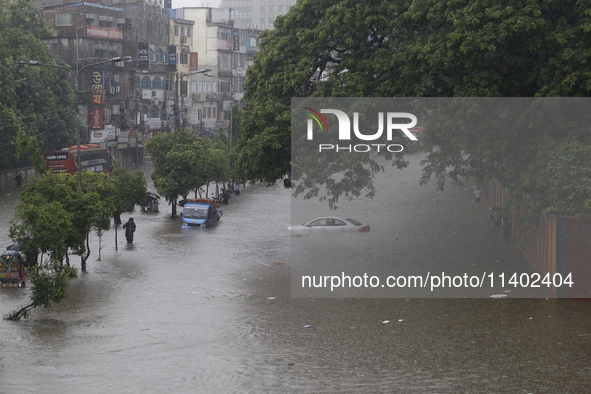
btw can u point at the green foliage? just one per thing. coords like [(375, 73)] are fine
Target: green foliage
[(34, 101), (56, 216), (185, 162), (567, 180), (129, 189), (468, 48), (49, 285)]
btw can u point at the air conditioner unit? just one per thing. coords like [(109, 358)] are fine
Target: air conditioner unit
[(112, 90), (120, 21), (90, 16), (117, 89), (184, 38), (102, 17), (106, 112), (110, 19), (112, 48), (196, 96), (116, 78), (119, 64)]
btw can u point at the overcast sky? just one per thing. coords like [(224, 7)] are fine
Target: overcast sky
[(195, 3)]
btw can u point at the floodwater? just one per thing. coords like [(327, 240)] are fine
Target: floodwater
[(211, 311)]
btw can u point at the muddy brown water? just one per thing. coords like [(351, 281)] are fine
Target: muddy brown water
[(185, 311)]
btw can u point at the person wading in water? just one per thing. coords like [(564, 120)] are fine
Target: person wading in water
[(129, 230)]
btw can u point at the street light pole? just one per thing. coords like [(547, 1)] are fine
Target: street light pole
[(76, 76), (180, 76)]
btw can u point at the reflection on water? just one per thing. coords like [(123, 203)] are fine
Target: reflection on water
[(209, 311)]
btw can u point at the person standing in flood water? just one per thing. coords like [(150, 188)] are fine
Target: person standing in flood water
[(129, 227)]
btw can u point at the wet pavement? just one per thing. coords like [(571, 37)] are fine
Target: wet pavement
[(210, 311)]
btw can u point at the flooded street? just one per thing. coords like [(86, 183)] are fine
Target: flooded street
[(211, 311)]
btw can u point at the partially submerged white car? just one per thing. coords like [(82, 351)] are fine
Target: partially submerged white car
[(332, 224)]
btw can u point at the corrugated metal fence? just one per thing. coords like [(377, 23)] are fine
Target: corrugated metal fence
[(557, 245)]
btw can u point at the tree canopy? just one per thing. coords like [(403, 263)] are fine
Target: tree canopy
[(184, 162), (34, 101), (55, 218), (467, 48)]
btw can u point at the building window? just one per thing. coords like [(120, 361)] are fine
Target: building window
[(62, 19), (176, 30), (208, 112), (157, 83), (189, 31), (57, 49), (154, 112), (184, 58), (146, 83), (160, 57)]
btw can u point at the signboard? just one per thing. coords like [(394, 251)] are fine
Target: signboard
[(143, 58), (172, 57), (97, 118), (153, 123), (193, 61), (103, 32), (224, 44), (97, 137), (97, 93), (123, 137), (236, 40)]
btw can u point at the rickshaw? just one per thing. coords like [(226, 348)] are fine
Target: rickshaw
[(152, 202), (12, 267)]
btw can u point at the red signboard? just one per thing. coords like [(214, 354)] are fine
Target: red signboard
[(97, 118), (193, 61), (97, 92), (103, 32)]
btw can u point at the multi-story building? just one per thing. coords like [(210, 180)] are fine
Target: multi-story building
[(87, 36), (133, 102), (164, 86), (258, 14), (227, 52)]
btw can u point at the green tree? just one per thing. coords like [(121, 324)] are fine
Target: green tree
[(176, 158), (34, 101), (467, 48), (54, 218), (129, 190)]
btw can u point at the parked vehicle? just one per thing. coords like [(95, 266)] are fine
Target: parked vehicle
[(13, 263), (200, 212), (152, 202), (93, 158), (332, 224)]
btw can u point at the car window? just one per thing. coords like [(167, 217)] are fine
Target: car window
[(319, 222), (338, 222), (353, 221)]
